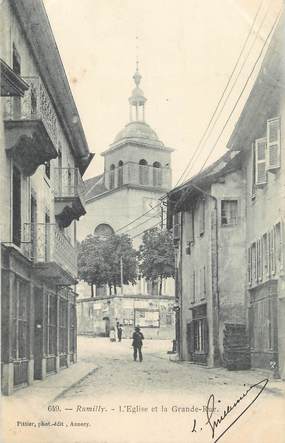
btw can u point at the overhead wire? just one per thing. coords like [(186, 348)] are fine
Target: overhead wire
[(242, 91), (240, 95), (213, 116), (211, 119), (201, 140)]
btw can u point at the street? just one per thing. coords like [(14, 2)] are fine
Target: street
[(119, 400)]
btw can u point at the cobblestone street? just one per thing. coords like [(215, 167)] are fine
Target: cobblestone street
[(158, 400)]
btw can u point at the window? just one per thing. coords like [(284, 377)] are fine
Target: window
[(112, 177), (265, 254), (202, 208), (278, 246), (253, 263), (63, 305), (157, 176), (103, 230), (17, 70), (143, 172), (51, 323), (259, 257), (260, 162), (121, 173), (249, 273), (199, 335), (16, 228), (20, 320), (273, 144), (272, 252), (229, 212)]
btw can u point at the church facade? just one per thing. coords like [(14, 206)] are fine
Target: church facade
[(137, 173)]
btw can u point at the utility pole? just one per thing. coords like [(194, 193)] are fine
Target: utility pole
[(122, 274)]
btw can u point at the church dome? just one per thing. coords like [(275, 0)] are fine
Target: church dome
[(139, 131)]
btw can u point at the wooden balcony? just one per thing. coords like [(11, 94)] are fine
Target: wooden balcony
[(30, 127), (69, 194), (51, 252)]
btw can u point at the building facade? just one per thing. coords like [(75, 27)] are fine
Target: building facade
[(155, 315), (137, 173), (259, 135), (208, 225), (234, 315), (43, 156)]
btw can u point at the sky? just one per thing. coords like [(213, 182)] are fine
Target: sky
[(187, 50)]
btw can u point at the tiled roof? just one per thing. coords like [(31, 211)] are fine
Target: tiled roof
[(94, 186)]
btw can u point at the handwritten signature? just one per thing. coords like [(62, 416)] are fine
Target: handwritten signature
[(211, 408)]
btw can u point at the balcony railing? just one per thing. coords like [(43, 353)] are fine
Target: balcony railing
[(136, 174), (35, 105), (46, 244), (68, 183)]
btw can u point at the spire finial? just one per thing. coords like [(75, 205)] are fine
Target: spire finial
[(137, 77)]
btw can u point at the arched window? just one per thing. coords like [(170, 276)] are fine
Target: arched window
[(103, 230), (143, 172), (120, 173), (112, 177), (157, 174)]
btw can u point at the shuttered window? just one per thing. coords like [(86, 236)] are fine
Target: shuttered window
[(249, 273), (265, 254), (202, 217), (273, 144), (253, 263), (260, 161)]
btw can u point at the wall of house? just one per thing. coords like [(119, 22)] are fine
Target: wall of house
[(199, 259), (198, 262), (265, 209), (39, 184), (231, 254), (92, 315)]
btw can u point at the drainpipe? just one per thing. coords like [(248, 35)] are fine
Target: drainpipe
[(215, 281)]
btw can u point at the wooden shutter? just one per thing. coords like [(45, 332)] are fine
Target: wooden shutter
[(273, 252), (273, 144), (260, 162), (202, 217), (249, 266)]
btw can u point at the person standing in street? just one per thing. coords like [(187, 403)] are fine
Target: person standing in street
[(137, 343), (120, 332)]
